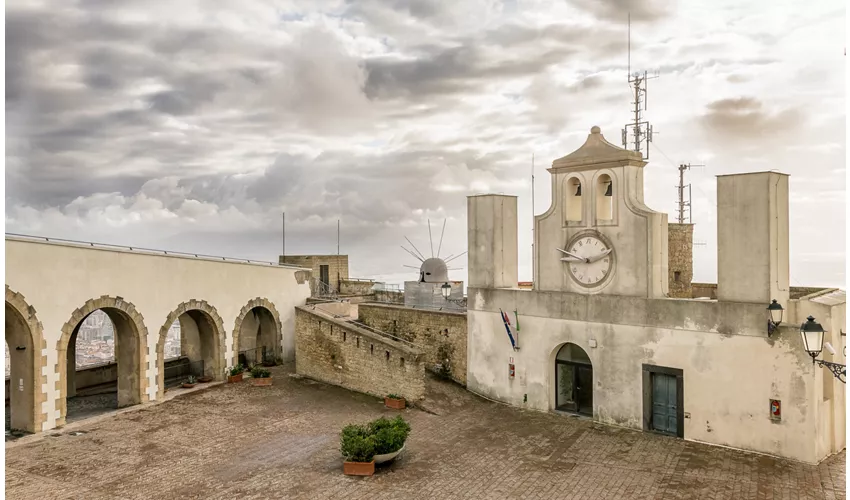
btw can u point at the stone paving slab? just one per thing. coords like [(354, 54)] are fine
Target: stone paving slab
[(239, 441)]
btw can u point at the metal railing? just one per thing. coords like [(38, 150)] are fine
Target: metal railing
[(385, 334), (322, 289), (389, 294), (257, 355), (175, 375), (149, 251)]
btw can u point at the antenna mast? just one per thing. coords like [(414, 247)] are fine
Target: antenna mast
[(684, 205), (638, 134), (532, 219)]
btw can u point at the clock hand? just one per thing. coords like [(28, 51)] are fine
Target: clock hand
[(571, 259), (573, 255), (597, 257)]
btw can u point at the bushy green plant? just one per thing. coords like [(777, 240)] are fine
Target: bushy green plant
[(357, 444), (191, 379), (258, 372), (394, 396), (390, 435), (235, 370)]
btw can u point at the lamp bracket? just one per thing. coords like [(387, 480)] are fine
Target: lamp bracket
[(837, 369)]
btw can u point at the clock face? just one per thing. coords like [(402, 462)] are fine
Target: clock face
[(589, 260)]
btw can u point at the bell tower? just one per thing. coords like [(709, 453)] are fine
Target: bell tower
[(598, 236)]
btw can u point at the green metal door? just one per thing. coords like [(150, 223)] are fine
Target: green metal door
[(664, 406)]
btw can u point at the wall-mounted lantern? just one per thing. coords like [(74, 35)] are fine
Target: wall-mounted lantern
[(774, 316), (446, 290), (812, 334), (578, 190), (610, 190)]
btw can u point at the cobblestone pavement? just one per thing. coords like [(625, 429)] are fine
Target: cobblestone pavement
[(239, 441)]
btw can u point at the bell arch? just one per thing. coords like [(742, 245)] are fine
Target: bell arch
[(131, 347), (573, 196), (24, 330), (201, 323), (257, 325)]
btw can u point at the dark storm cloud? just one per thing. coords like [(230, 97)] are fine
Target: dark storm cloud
[(618, 10), (745, 119), (511, 51)]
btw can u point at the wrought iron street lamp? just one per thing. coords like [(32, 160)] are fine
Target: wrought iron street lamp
[(774, 316), (446, 289), (812, 333)]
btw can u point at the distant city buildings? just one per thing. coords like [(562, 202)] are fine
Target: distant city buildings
[(96, 342)]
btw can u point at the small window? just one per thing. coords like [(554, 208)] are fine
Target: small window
[(677, 276), (402, 362), (388, 355), (358, 341), (343, 336), (371, 348), (573, 200)]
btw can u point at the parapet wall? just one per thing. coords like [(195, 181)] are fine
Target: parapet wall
[(341, 353), (440, 335), (355, 287)]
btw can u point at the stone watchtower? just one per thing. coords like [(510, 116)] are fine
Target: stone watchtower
[(680, 254)]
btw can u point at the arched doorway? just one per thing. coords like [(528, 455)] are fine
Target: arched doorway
[(21, 387), (257, 334), (24, 341), (129, 344), (573, 380), (191, 342)]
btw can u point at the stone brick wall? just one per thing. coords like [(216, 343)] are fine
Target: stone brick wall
[(439, 334), (337, 265), (704, 290), (356, 287), (340, 353), (680, 259)]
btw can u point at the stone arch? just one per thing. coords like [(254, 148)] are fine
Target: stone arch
[(30, 415), (266, 304), (131, 351), (204, 311)]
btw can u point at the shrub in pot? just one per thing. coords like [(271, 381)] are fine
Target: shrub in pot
[(390, 436), (234, 374), (358, 447), (260, 377), (379, 441), (394, 401)]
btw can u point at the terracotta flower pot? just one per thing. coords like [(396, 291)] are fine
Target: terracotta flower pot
[(188, 385), (358, 468), (396, 404), (261, 381), (231, 379), (205, 379)]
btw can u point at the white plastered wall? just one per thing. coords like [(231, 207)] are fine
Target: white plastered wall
[(56, 279)]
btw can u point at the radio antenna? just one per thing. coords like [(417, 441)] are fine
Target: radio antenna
[(638, 134)]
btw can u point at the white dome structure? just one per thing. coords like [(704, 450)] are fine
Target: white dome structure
[(433, 270)]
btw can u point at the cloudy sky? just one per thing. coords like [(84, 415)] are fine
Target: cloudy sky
[(192, 125)]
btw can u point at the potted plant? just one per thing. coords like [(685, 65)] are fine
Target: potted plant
[(234, 374), (205, 379), (394, 401), (390, 436), (190, 382), (358, 447), (260, 377)]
